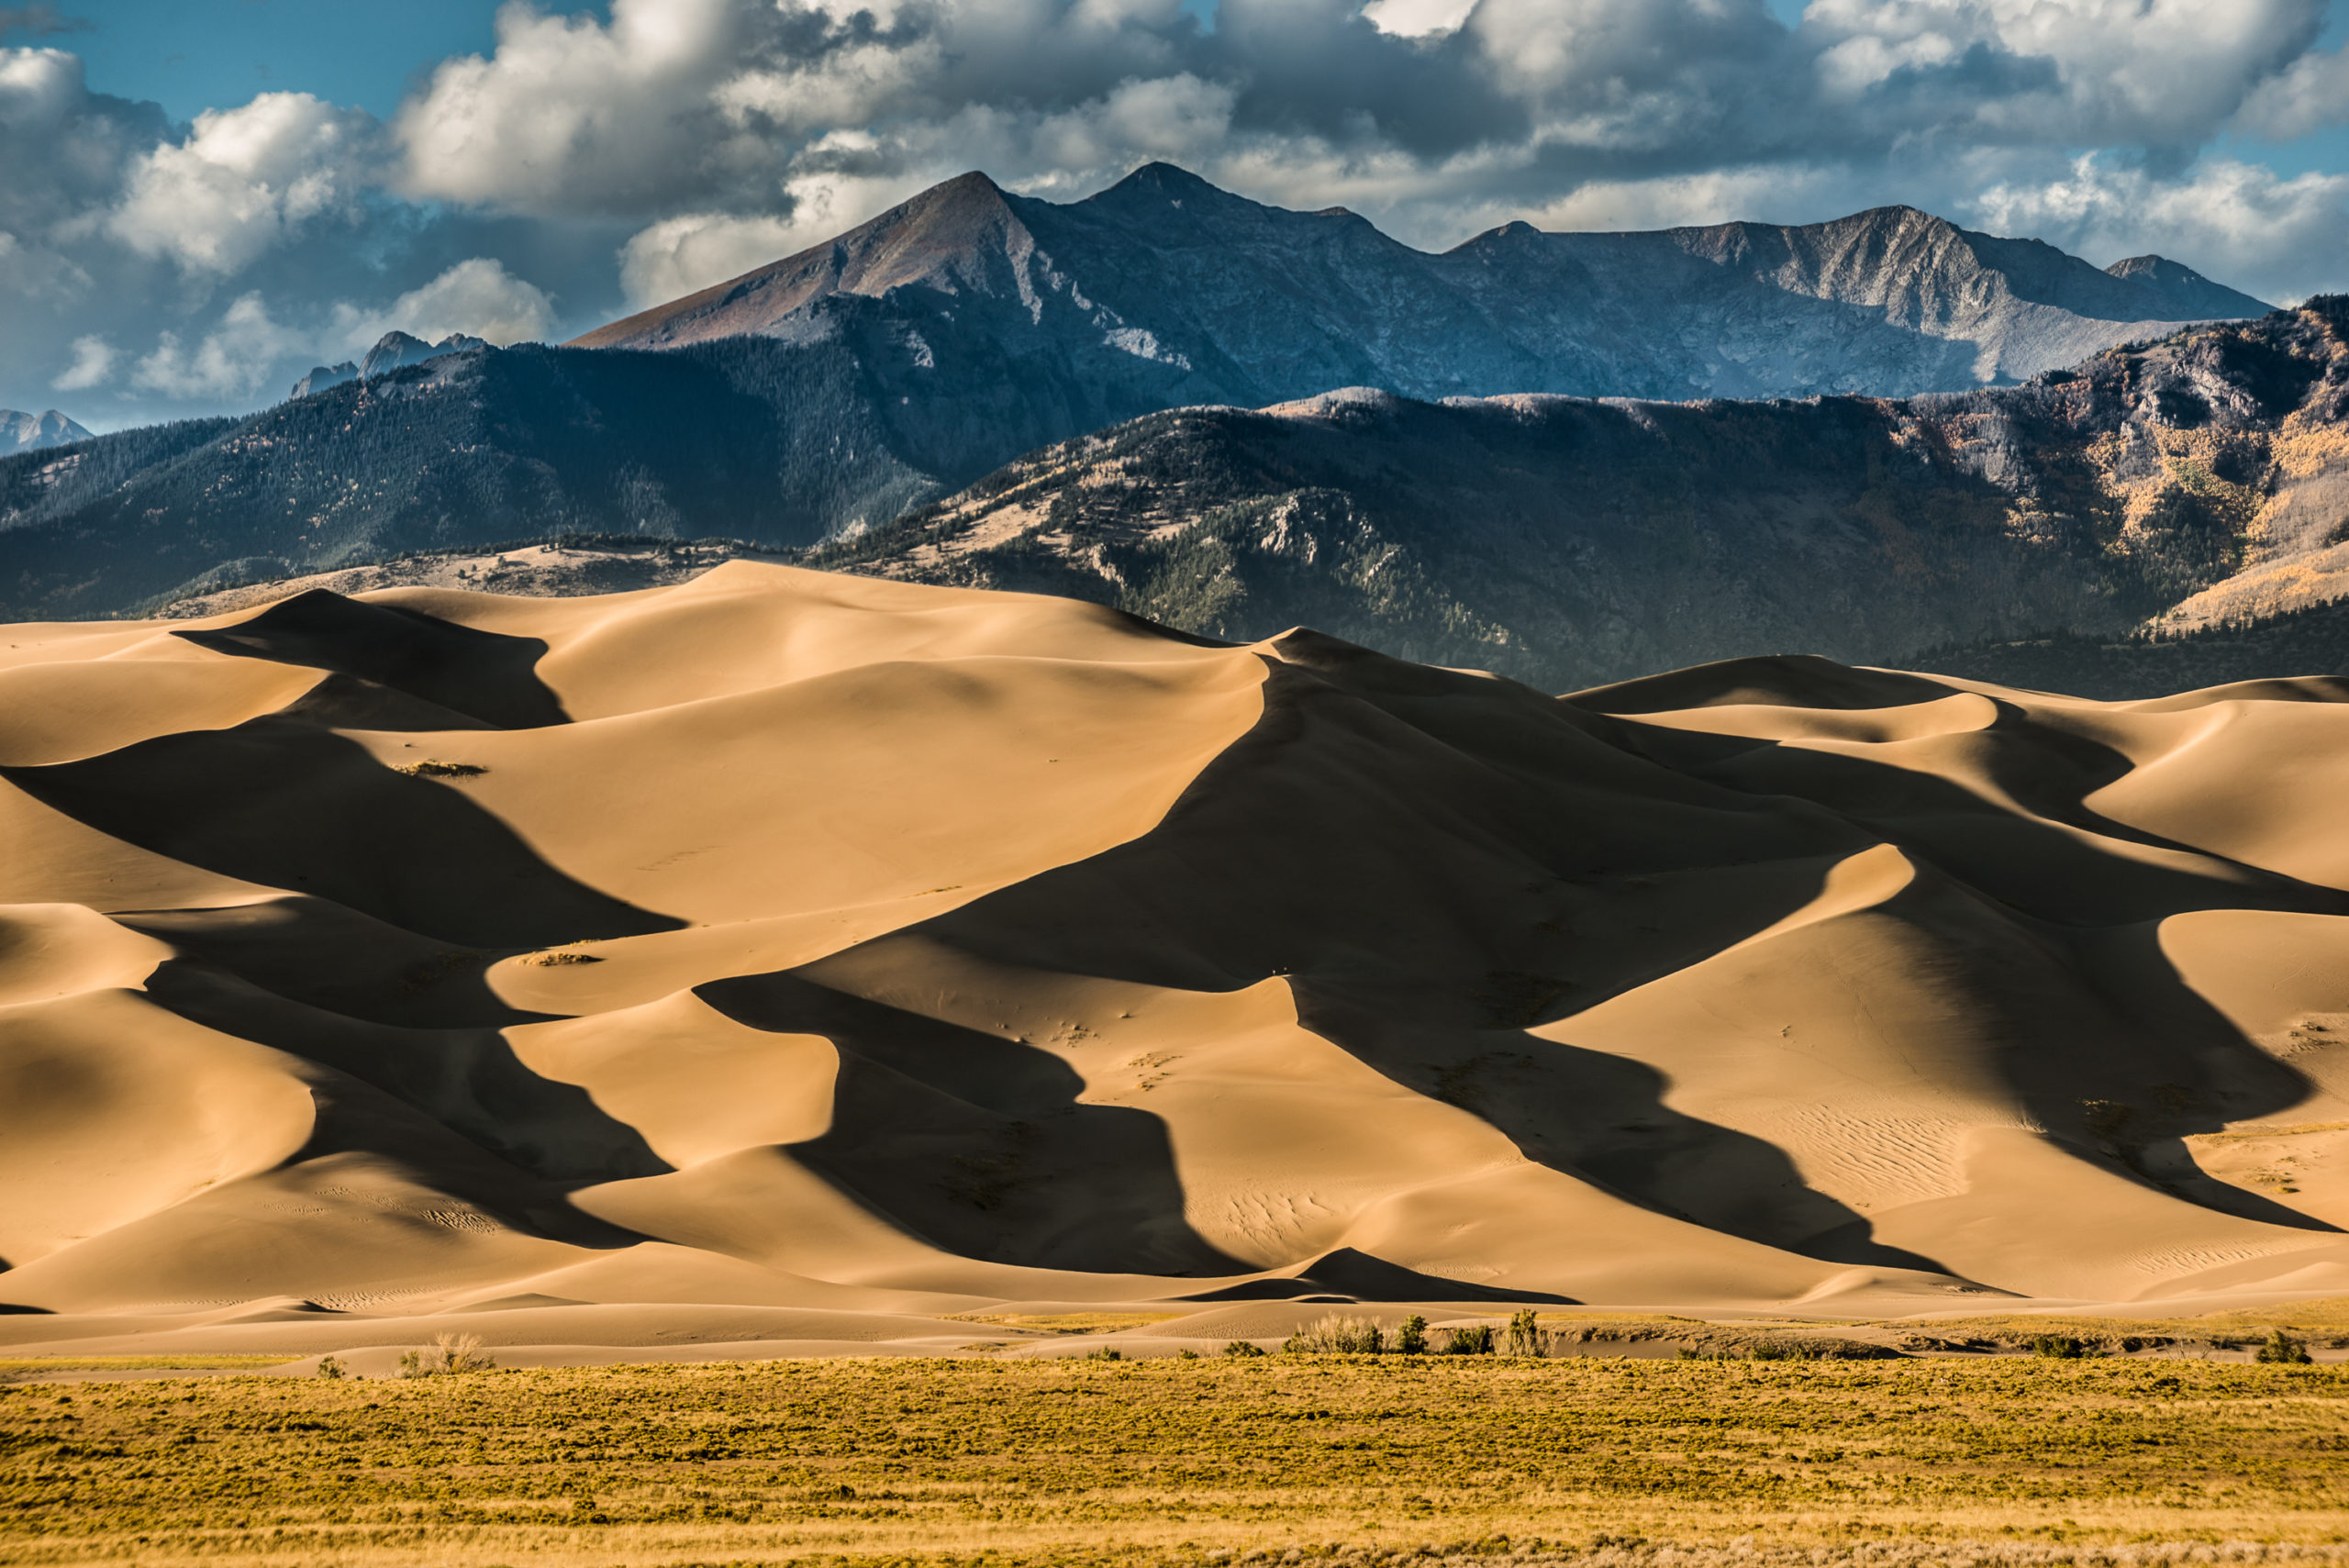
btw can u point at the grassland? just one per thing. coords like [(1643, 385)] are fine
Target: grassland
[(1070, 1462)]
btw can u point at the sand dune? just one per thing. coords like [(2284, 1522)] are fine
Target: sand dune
[(815, 961)]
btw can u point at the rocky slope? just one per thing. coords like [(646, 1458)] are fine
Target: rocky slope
[(1165, 287), (1568, 541)]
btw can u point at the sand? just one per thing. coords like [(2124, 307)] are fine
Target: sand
[(778, 961)]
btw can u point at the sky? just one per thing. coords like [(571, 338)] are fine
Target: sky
[(204, 198)]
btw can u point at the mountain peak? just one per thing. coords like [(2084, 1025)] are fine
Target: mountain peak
[(2190, 295), (937, 235), (1160, 175), (23, 432)]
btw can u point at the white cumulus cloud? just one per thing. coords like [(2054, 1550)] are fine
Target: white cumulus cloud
[(242, 180), (235, 360), (571, 114), (94, 360), (478, 297), (2229, 219)]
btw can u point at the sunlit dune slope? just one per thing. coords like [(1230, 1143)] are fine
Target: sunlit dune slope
[(811, 942)]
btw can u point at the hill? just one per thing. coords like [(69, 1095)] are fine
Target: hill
[(1188, 293), (787, 942), (1569, 541), (484, 445)]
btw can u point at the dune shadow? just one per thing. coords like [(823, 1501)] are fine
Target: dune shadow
[(335, 959), (2149, 1062), (486, 678), (2031, 866), (981, 1144), (1392, 915), (1348, 1274), (298, 807), (467, 1080), (1603, 1119)]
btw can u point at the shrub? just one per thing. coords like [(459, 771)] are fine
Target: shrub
[(1334, 1335), (1412, 1335), (1186, 1354), (2284, 1349), (449, 1354), (1787, 1351), (1526, 1337), (1475, 1339), (329, 1367), (1106, 1353), (1243, 1348), (2059, 1347)]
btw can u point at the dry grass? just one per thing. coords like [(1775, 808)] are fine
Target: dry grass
[(1069, 1322), (1080, 1463)]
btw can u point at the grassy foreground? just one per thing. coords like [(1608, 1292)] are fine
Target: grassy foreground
[(1086, 1463)]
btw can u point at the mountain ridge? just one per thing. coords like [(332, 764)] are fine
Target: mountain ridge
[(1568, 541), (1250, 304)]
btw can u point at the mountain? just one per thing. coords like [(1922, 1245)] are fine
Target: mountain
[(391, 351), (1225, 300), (1562, 542), (31, 432), (1568, 542), (837, 390), (669, 963), (485, 446)]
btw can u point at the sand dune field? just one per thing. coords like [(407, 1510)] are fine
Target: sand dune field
[(808, 961)]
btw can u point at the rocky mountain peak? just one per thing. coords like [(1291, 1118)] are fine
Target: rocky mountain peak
[(392, 351), (2183, 289), (21, 432)]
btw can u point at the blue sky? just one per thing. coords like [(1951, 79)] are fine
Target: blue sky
[(206, 196), (190, 57)]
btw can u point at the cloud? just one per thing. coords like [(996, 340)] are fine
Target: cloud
[(2229, 219), (235, 361), (243, 181), (2312, 95), (602, 160), (478, 297), (1417, 19), (571, 114), (684, 254), (94, 360), (42, 20)]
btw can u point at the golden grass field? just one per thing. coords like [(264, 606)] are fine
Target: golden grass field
[(1173, 1460)]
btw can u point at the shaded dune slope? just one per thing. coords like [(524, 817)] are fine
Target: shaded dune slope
[(803, 941)]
